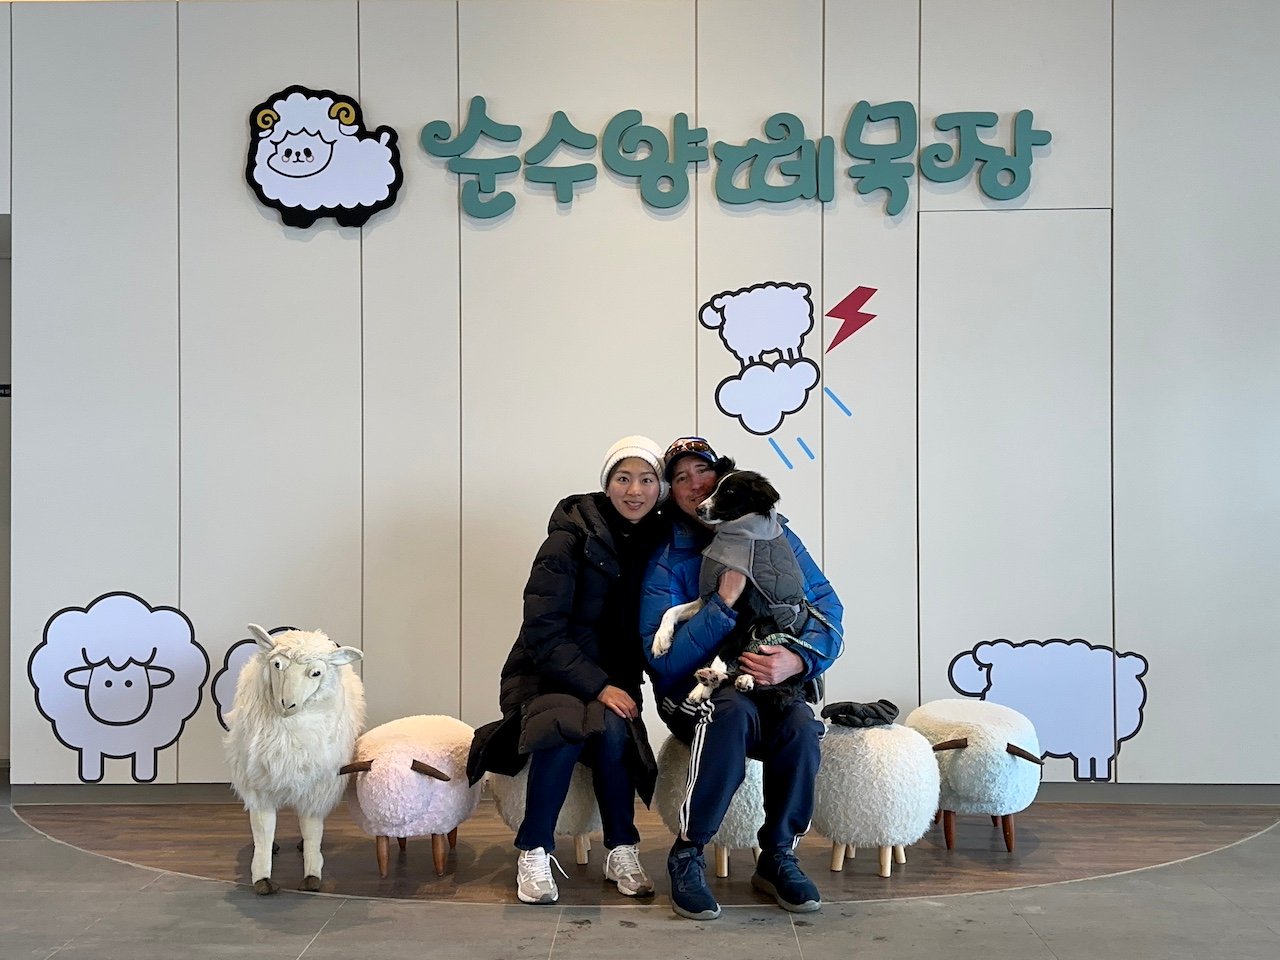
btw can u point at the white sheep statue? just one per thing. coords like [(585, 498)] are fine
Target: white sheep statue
[(298, 709), (877, 787), (411, 781), (742, 821), (579, 815), (988, 761)]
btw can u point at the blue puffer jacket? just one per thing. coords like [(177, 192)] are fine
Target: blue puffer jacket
[(672, 578)]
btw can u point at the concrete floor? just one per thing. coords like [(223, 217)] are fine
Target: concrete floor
[(57, 901)]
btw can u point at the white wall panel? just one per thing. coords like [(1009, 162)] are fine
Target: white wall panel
[(1015, 487), (95, 417), (412, 415), (1008, 55), (270, 352), (869, 456), (6, 437), (1197, 408), (6, 107), (577, 321), (744, 77)]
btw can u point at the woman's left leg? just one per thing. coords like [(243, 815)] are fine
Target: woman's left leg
[(615, 791)]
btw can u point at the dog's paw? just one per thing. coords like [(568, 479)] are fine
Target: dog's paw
[(662, 640), (745, 682)]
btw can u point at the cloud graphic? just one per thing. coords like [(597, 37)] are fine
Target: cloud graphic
[(763, 394)]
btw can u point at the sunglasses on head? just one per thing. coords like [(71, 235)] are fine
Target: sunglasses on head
[(687, 445)]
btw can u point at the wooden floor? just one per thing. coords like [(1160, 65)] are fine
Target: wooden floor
[(1055, 842)]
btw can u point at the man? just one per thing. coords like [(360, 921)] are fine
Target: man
[(731, 726)]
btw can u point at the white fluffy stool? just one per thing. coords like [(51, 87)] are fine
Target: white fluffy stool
[(579, 816), (877, 787), (988, 759), (411, 781), (742, 821)]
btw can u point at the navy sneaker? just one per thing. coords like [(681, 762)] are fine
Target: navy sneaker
[(690, 896), (779, 875)]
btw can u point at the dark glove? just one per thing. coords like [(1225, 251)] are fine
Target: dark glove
[(849, 714)]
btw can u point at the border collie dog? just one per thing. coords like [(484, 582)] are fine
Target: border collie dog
[(772, 610)]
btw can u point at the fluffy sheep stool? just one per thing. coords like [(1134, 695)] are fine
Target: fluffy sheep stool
[(579, 816), (742, 821), (988, 760), (412, 782), (877, 787)]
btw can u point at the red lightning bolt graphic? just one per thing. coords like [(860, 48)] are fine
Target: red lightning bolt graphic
[(850, 311)]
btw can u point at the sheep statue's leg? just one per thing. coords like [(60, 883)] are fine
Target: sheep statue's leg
[(453, 838), (582, 847), (995, 821), (837, 857), (899, 853), (852, 850), (263, 824), (382, 847), (403, 841), (949, 827), (886, 861), (1007, 821), (755, 854), (312, 860), (439, 852), (722, 860)]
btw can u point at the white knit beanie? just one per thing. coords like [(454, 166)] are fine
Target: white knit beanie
[(635, 446)]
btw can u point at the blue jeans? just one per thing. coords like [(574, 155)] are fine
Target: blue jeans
[(550, 772)]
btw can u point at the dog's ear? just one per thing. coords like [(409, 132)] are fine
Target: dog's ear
[(723, 465), (768, 490)]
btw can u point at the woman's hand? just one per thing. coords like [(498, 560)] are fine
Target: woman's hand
[(619, 701)]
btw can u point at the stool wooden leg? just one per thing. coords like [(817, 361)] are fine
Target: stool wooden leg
[(453, 838), (403, 841), (852, 850), (722, 861), (899, 853), (837, 857), (995, 821), (1008, 832), (949, 827), (886, 861), (581, 848), (439, 852), (937, 817), (383, 847), (755, 854)]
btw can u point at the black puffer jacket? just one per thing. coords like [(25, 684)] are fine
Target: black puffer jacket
[(580, 630), (581, 608)]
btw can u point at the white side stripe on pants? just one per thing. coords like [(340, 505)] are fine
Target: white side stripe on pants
[(695, 761)]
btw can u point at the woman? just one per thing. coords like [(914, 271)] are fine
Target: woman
[(570, 688)]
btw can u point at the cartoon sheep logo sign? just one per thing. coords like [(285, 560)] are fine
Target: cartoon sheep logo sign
[(311, 157), (1083, 700), (764, 327), (118, 678), (224, 681)]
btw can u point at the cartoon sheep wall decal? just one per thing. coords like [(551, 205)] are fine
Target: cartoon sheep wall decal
[(1084, 700), (118, 678), (310, 157)]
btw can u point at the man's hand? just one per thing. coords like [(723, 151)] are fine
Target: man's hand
[(732, 583), (619, 701), (771, 665)]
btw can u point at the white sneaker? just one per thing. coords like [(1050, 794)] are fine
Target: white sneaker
[(534, 880), (623, 866)]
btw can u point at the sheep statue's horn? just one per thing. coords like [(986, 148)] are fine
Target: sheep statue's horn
[(951, 744), (419, 767), (1024, 754), (356, 766)]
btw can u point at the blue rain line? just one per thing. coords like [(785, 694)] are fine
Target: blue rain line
[(827, 391), (805, 447), (778, 450)]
